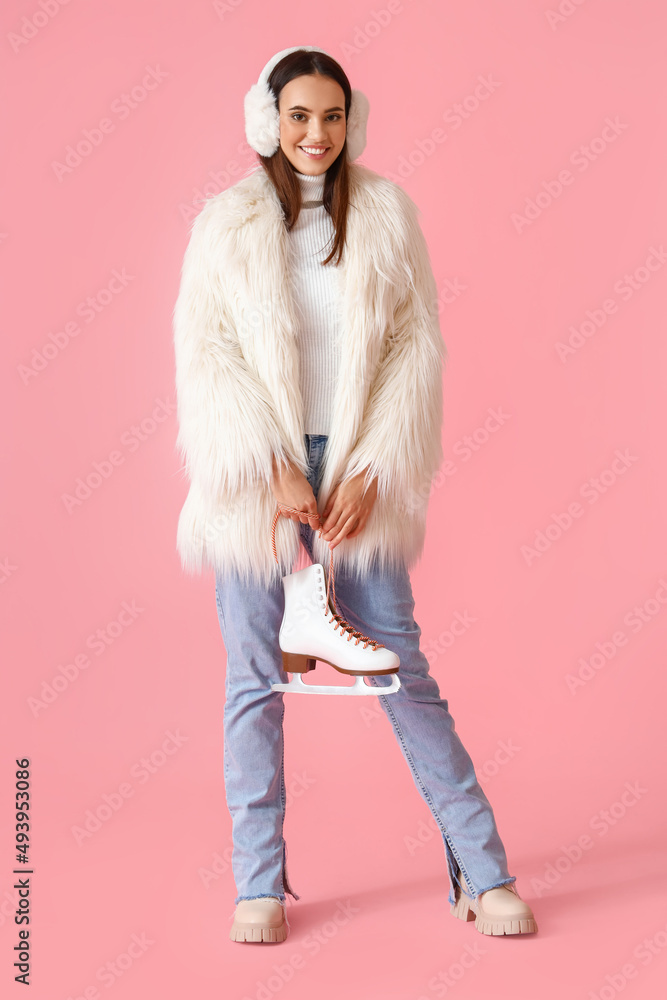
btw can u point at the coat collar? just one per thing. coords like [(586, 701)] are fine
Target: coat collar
[(254, 268), (254, 198)]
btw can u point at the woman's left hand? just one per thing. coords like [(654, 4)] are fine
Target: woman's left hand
[(348, 509)]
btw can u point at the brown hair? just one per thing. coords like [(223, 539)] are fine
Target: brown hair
[(335, 196)]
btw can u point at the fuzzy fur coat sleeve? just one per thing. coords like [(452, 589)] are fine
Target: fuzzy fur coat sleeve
[(228, 432), (399, 438)]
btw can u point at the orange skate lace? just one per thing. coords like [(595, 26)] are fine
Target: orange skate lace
[(345, 626)]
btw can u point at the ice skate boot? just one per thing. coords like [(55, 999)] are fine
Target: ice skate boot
[(312, 630)]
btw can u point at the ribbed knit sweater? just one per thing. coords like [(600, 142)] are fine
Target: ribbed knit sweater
[(317, 299)]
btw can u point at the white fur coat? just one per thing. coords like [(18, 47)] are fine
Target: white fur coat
[(237, 379)]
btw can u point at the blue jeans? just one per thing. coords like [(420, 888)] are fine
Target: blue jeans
[(381, 606)]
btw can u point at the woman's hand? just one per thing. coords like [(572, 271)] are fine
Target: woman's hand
[(290, 487), (348, 509)]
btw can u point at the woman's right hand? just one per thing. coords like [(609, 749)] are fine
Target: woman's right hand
[(290, 487)]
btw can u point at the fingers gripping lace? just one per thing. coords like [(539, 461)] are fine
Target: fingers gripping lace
[(344, 625)]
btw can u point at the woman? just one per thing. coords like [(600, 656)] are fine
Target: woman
[(309, 382)]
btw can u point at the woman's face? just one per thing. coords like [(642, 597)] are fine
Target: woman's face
[(312, 115)]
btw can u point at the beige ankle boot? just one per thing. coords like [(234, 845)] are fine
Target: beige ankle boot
[(259, 920), (496, 911)]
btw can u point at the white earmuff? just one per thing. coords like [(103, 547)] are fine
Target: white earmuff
[(262, 122)]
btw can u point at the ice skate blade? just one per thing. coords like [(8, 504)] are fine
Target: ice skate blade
[(358, 689)]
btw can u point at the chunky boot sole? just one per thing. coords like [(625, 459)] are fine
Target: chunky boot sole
[(250, 932), (463, 909)]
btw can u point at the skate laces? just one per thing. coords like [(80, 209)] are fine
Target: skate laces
[(341, 622)]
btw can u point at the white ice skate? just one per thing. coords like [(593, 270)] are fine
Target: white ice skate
[(312, 630)]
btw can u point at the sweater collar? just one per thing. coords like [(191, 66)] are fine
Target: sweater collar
[(312, 187)]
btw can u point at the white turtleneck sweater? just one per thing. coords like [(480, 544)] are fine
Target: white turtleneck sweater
[(317, 299)]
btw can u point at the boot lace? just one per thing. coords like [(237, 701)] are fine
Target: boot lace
[(332, 603)]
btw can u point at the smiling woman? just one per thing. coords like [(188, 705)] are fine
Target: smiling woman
[(315, 109), (309, 385), (309, 131)]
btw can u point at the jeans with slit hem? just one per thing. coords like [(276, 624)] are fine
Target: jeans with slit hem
[(381, 606)]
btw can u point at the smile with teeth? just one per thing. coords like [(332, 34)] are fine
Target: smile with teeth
[(314, 150)]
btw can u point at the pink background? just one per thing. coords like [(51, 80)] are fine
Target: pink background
[(358, 833)]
